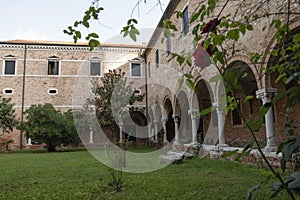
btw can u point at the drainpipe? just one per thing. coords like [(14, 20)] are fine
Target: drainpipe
[(23, 95), (146, 86)]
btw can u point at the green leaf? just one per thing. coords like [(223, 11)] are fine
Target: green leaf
[(249, 97), (233, 34), (249, 27), (216, 78), (287, 149), (195, 17), (94, 35), (207, 110), (189, 76), (243, 28), (180, 83), (190, 84), (264, 109), (257, 124)]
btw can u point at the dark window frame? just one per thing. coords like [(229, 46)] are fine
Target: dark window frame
[(132, 71), (236, 118), (53, 66), (185, 21), (156, 59), (93, 66), (10, 61)]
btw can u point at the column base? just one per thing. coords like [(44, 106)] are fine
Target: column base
[(270, 149), (194, 144), (223, 145)]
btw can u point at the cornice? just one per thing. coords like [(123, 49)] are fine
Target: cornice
[(67, 48)]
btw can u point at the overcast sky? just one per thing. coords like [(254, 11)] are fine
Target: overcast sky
[(46, 19)]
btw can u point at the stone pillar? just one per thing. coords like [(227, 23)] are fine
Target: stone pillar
[(155, 136), (266, 96), (149, 131), (176, 119), (91, 135), (194, 116), (121, 132), (29, 141), (164, 121), (221, 123)]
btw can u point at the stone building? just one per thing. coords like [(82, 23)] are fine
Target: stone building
[(52, 71), (38, 72), (177, 111)]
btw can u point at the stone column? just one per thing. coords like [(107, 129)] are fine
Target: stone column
[(91, 136), (155, 136), (221, 122), (164, 121), (29, 141), (194, 116), (149, 131), (266, 96), (121, 132), (176, 119)]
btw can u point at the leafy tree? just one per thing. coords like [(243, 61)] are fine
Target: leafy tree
[(47, 125), (112, 95), (69, 136), (7, 115)]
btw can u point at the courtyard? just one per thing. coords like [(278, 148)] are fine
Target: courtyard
[(78, 175)]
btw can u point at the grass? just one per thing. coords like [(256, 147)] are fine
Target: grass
[(77, 175)]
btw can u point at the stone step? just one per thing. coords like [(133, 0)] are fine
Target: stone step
[(174, 157)]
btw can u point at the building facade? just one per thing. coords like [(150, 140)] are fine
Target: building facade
[(54, 71), (60, 73), (177, 110)]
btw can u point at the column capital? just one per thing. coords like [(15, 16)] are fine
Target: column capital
[(193, 111), (175, 116), (217, 104), (219, 108), (163, 119), (155, 121), (266, 93)]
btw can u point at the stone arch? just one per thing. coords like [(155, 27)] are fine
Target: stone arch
[(168, 110), (294, 24), (281, 86), (205, 99), (235, 132), (137, 131), (182, 107), (254, 68)]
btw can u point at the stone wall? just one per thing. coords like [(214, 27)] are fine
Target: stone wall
[(73, 84)]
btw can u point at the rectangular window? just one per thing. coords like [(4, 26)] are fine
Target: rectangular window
[(236, 118), (149, 69), (95, 68), (9, 67), (156, 59), (185, 21), (136, 69), (53, 67), (168, 43)]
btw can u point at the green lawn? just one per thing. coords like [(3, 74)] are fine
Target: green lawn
[(77, 175)]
